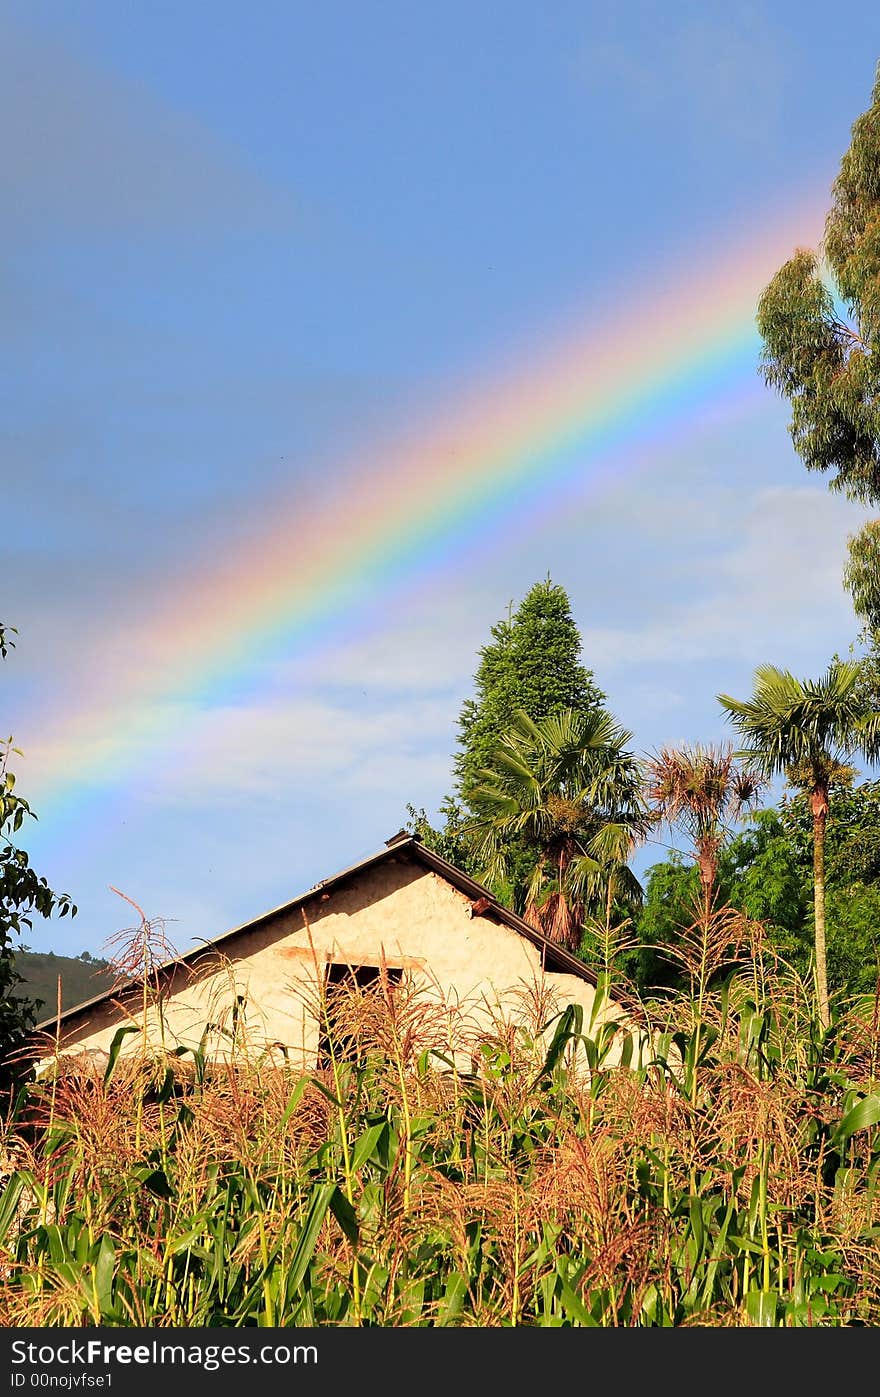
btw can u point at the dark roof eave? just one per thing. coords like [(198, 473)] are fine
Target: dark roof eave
[(413, 847)]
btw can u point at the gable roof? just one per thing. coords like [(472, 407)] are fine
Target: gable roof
[(409, 848)]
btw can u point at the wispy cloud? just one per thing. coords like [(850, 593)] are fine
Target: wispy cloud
[(769, 589), (259, 750)]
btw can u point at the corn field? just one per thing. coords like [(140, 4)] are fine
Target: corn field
[(710, 1161)]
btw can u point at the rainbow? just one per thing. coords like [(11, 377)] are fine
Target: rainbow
[(406, 510)]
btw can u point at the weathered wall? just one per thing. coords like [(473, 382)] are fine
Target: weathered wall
[(397, 912)]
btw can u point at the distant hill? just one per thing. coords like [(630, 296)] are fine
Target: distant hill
[(80, 979)]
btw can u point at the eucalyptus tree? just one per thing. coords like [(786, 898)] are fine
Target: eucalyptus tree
[(862, 575), (808, 730), (819, 320), (566, 790)]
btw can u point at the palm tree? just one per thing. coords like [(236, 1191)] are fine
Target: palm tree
[(566, 788), (702, 790), (807, 730)]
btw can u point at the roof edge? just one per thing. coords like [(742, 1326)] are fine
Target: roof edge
[(411, 846)]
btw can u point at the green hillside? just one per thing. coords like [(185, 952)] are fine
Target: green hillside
[(80, 979)]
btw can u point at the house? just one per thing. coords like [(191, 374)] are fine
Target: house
[(403, 912)]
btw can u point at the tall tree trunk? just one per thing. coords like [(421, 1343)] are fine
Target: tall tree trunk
[(708, 866), (819, 802)]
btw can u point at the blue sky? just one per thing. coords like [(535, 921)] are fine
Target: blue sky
[(242, 242)]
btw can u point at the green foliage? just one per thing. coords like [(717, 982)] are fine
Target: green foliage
[(694, 1171), (701, 791), (869, 668), (531, 663), (853, 881), (822, 350), (449, 840), (853, 940), (22, 894), (809, 729), (853, 836), (804, 727), (672, 893), (765, 872), (81, 978), (820, 363), (762, 872), (862, 573), (566, 793)]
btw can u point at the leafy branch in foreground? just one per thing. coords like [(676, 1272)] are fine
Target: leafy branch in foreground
[(22, 895)]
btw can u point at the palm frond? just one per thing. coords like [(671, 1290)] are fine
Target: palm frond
[(551, 786), (804, 725)]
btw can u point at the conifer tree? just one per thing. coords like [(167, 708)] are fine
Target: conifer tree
[(532, 663)]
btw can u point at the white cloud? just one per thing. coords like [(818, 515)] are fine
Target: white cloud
[(425, 644), (309, 745), (773, 592), (375, 717)]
